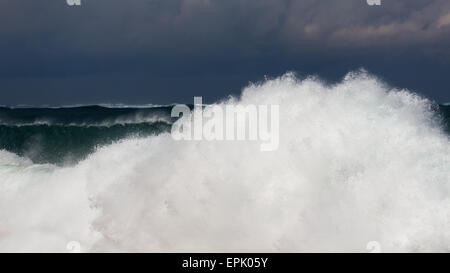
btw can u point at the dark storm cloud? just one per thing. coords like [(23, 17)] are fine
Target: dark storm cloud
[(108, 26), (106, 46)]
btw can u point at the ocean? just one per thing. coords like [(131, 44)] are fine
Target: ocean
[(358, 161), (67, 135)]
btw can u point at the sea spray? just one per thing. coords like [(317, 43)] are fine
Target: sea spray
[(357, 162)]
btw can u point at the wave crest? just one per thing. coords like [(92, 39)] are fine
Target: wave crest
[(357, 162)]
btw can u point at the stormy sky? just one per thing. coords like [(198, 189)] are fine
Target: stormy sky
[(164, 51)]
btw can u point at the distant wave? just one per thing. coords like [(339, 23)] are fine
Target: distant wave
[(68, 134), (105, 105), (83, 115), (358, 161)]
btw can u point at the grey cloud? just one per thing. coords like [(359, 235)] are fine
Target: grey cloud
[(102, 26), (169, 45)]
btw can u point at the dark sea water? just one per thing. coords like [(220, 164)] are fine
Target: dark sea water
[(445, 112), (67, 135)]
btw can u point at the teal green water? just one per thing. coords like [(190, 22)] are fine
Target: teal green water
[(68, 135)]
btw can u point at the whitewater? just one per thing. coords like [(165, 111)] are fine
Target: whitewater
[(358, 161)]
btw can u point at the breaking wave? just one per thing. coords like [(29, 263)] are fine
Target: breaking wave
[(357, 162), (67, 135)]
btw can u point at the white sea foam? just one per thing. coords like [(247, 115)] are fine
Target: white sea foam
[(357, 162)]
